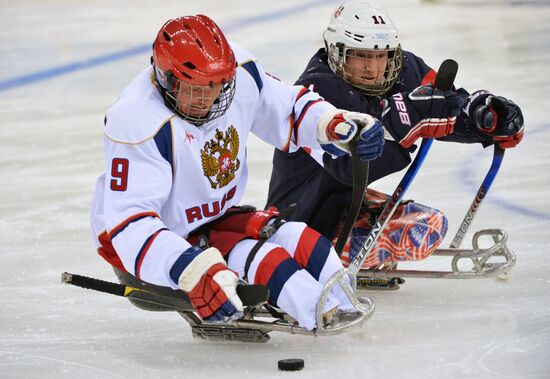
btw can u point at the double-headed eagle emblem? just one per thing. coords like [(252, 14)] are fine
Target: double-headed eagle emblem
[(219, 158)]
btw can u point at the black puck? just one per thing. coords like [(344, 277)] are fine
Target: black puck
[(291, 364)]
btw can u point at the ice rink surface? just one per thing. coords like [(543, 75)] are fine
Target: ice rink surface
[(63, 63)]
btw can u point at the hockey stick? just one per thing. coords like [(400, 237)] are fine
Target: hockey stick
[(498, 155), (360, 170), (250, 295), (444, 81)]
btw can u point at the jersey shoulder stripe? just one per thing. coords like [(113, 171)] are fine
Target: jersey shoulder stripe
[(246, 60), (251, 68), (164, 140)]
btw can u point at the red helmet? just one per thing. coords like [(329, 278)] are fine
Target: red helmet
[(193, 50)]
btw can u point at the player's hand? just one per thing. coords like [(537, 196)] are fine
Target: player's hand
[(499, 120), (210, 284), (426, 112), (338, 127)]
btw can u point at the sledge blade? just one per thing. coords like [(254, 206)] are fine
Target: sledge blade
[(378, 284), (227, 333)]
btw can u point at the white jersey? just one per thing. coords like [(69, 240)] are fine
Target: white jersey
[(165, 177)]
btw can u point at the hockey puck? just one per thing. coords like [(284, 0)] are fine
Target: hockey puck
[(291, 364)]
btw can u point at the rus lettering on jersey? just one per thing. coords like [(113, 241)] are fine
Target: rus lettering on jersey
[(402, 109), (212, 209)]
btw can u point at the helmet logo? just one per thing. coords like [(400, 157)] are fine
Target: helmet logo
[(219, 158), (214, 66), (338, 11)]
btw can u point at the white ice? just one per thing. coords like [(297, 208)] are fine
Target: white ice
[(51, 153)]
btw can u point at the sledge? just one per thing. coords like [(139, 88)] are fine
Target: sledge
[(258, 321)]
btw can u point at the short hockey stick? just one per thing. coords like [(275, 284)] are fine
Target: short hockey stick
[(444, 81), (250, 295), (360, 171), (498, 155)]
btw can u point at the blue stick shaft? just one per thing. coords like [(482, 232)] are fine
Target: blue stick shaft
[(498, 155)]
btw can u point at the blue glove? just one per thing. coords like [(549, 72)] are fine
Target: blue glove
[(371, 142)]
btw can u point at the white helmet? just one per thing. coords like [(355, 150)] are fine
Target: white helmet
[(362, 30)]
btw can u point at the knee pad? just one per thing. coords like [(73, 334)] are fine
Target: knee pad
[(413, 233)]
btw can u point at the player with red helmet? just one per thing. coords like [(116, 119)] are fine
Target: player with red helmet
[(166, 209)]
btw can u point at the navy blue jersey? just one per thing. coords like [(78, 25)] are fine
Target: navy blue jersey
[(323, 194)]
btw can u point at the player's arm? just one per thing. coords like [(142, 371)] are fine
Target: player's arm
[(476, 122), (289, 117), (137, 183)]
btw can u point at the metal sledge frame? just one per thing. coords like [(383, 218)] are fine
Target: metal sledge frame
[(477, 257)]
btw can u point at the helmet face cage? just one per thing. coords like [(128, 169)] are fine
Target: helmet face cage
[(388, 60), (198, 104)]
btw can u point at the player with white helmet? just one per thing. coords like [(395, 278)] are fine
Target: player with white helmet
[(166, 210), (363, 68)]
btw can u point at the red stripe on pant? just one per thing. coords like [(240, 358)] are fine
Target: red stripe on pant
[(269, 264), (305, 246)]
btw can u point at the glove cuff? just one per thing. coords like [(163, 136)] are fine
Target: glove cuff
[(329, 125), (195, 270)]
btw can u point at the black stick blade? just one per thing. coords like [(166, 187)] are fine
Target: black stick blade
[(446, 75)]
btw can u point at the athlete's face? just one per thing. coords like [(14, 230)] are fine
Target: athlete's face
[(196, 101), (365, 67)]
